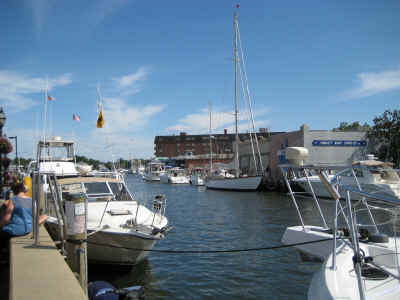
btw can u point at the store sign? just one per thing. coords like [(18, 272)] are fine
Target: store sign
[(338, 143)]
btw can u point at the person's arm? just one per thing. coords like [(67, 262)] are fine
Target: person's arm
[(42, 219), (6, 217)]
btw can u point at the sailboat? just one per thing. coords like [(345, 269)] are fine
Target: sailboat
[(238, 181)]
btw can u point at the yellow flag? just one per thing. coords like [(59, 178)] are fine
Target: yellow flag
[(100, 120)]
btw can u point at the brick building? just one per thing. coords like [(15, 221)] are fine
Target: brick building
[(325, 147), (195, 149)]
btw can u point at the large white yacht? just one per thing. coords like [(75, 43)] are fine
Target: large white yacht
[(120, 229), (371, 175)]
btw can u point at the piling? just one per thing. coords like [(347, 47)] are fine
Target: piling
[(76, 246)]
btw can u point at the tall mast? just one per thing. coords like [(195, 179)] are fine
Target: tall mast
[(209, 111), (235, 24)]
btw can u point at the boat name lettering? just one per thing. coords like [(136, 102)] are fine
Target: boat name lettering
[(339, 143)]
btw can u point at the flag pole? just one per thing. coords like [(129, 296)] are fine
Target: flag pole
[(45, 109)]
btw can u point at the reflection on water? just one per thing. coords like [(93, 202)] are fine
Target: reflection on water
[(218, 220)]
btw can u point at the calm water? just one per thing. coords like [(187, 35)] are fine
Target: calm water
[(219, 220)]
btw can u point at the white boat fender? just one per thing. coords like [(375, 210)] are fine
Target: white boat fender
[(103, 290)]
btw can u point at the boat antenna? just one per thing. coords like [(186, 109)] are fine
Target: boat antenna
[(250, 107), (99, 100), (45, 110), (235, 24), (209, 112)]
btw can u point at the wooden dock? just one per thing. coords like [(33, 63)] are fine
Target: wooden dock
[(40, 272)]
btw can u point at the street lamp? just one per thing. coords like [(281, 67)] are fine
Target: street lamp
[(2, 122), (16, 151)]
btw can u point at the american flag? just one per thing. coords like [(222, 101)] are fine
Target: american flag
[(50, 98), (75, 117)]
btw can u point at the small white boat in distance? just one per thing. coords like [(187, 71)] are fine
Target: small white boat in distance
[(175, 176), (154, 169), (245, 183), (198, 176), (83, 168)]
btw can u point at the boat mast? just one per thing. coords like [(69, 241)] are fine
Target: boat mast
[(235, 24), (209, 111)]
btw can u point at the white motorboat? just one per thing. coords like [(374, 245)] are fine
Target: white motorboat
[(175, 176), (197, 177), (83, 168), (239, 182), (154, 169), (371, 176), (140, 171), (361, 259), (119, 228)]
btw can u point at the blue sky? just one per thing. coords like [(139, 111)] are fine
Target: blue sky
[(160, 63)]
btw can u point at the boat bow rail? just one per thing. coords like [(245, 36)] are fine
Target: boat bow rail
[(362, 252)]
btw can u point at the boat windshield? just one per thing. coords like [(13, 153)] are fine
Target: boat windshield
[(101, 191), (97, 188), (120, 191)]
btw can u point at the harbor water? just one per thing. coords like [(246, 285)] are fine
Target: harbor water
[(209, 220)]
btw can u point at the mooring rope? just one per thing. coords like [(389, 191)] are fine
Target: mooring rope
[(213, 251)]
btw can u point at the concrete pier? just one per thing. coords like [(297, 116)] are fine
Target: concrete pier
[(40, 272)]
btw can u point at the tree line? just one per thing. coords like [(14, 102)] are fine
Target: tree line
[(384, 134)]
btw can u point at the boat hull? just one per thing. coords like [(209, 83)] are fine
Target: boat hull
[(174, 180), (234, 184), (312, 251), (151, 177), (197, 180), (341, 282), (112, 247), (381, 190)]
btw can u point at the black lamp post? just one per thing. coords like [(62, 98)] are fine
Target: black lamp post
[(2, 122)]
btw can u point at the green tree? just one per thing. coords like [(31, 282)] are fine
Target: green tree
[(386, 135), (355, 126), (93, 162)]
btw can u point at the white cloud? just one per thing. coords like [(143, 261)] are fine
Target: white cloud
[(119, 116), (16, 90), (131, 83), (369, 84), (107, 147), (199, 123), (121, 135)]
